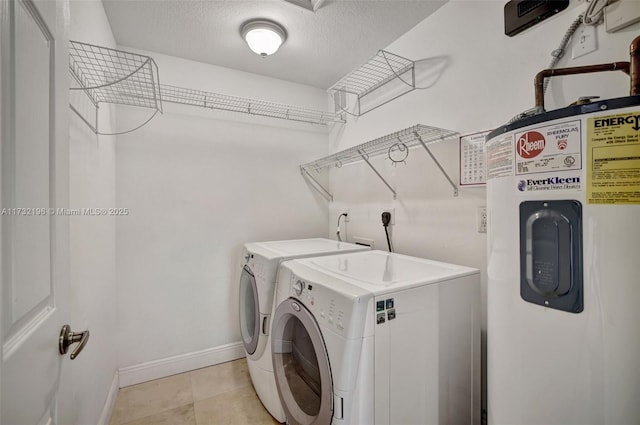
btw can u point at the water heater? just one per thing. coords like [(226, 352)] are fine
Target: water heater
[(563, 303)]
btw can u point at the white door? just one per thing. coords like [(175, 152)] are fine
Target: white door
[(34, 182)]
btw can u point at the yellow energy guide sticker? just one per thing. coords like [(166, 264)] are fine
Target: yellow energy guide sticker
[(613, 159)]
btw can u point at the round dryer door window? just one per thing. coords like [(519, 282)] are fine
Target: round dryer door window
[(301, 365), (249, 311)]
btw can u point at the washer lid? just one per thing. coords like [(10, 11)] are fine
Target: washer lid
[(301, 248), (379, 271)]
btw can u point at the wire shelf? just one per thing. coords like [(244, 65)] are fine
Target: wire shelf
[(203, 99), (115, 76), (107, 75), (381, 69), (409, 137), (401, 141)]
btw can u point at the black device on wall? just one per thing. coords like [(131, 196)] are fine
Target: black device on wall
[(522, 14)]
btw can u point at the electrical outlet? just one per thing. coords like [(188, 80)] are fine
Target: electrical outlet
[(585, 41), (347, 217), (391, 211), (481, 218)]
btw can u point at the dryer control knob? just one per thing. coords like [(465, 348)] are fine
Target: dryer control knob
[(298, 287)]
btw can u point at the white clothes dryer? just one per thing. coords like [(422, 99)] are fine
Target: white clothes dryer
[(260, 261), (377, 338)]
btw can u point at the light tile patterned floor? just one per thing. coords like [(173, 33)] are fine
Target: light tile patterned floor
[(215, 395)]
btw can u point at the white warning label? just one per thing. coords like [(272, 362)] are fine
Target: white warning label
[(500, 156), (550, 148)]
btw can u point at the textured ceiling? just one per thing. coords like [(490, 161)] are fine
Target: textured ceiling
[(321, 46)]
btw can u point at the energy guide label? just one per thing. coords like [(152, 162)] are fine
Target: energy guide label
[(556, 147), (613, 158)]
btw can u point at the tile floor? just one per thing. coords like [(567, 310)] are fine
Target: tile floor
[(220, 394)]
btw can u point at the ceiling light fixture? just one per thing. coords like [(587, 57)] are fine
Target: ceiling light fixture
[(263, 37)]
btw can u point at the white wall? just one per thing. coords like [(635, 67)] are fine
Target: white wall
[(92, 239), (198, 185), (487, 79)]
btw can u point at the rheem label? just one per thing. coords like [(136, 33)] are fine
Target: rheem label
[(530, 144), (555, 147)]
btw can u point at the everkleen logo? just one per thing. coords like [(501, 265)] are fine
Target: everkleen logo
[(549, 183), (530, 144)]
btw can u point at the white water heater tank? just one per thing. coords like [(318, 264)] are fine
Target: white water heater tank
[(563, 318)]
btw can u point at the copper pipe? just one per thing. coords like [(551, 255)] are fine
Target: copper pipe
[(634, 67), (539, 81)]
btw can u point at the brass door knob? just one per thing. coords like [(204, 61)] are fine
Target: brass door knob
[(67, 338)]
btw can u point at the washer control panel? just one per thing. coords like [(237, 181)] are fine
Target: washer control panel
[(298, 287), (328, 309), (262, 269)]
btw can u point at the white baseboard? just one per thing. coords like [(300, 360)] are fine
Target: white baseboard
[(105, 417), (156, 369)]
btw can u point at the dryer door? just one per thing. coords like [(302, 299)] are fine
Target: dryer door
[(301, 365), (249, 311)]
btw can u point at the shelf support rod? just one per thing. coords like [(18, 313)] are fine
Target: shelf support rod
[(95, 130), (366, 159), (316, 184), (424, 145)]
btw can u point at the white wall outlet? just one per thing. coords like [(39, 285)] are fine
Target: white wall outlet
[(348, 215), (584, 41), (481, 218), (391, 211)]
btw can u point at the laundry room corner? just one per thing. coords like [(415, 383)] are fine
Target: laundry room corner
[(92, 238), (319, 212), (470, 78), (198, 184)]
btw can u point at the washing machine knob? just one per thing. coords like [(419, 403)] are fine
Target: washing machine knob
[(298, 287)]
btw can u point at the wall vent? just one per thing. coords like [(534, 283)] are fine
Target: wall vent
[(363, 241)]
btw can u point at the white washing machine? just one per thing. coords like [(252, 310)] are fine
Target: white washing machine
[(377, 338), (260, 261)]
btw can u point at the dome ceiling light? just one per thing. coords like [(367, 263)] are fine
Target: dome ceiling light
[(263, 37)]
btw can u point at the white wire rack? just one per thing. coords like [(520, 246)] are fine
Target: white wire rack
[(377, 72), (400, 141), (224, 102), (115, 76)]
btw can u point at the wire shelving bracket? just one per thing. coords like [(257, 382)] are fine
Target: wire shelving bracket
[(114, 76), (418, 135), (371, 77), (225, 102)]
